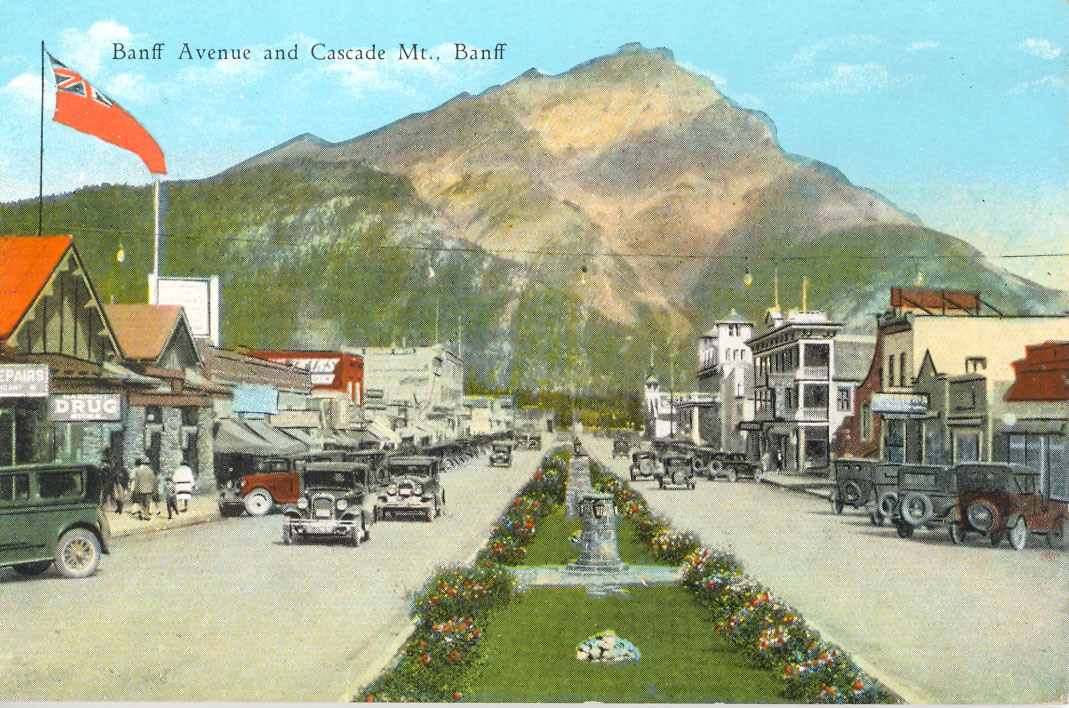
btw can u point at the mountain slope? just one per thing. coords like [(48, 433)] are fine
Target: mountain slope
[(572, 221)]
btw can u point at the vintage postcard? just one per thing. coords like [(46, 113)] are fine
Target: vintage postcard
[(551, 352)]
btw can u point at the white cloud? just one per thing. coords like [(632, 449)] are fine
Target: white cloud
[(806, 55), (853, 79), (918, 46), (1055, 83), (24, 88), (85, 51), (1042, 48)]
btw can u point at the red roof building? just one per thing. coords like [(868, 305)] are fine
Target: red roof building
[(1043, 374)]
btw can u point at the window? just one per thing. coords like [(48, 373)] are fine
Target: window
[(967, 447), (902, 369), (894, 440), (60, 485), (153, 414), (14, 487), (974, 364), (189, 415), (890, 371), (866, 422), (843, 404)]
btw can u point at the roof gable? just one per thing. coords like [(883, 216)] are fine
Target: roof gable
[(148, 332), (28, 263)]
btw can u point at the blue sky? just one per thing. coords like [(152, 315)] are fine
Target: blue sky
[(956, 112)]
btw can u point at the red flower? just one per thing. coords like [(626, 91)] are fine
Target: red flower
[(528, 524), (422, 643), (368, 698), (538, 474), (858, 686), (457, 695), (518, 502), (426, 658)]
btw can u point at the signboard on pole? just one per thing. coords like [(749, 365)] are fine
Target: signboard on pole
[(199, 297), (85, 408), (24, 380)]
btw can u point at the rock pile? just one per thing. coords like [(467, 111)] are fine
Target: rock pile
[(607, 648)]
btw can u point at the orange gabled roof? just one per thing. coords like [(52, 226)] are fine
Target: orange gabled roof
[(26, 262), (142, 330)]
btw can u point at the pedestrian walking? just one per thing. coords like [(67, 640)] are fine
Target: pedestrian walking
[(122, 486), (184, 484), (144, 488), (766, 461), (170, 495), (159, 495), (109, 476), (779, 461)]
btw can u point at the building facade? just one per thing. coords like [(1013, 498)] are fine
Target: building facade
[(726, 375)]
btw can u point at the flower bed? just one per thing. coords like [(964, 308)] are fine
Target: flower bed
[(772, 634), (453, 603)]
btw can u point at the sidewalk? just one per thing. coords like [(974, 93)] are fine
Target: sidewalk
[(202, 509), (808, 484)]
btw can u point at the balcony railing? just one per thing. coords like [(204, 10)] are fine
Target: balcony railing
[(819, 373), (811, 414)]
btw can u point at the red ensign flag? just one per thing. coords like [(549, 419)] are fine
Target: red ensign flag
[(85, 109)]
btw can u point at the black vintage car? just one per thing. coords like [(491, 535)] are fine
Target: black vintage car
[(414, 488), (927, 494), (676, 470), (620, 448), (335, 503), (866, 484), (643, 465), (501, 455)]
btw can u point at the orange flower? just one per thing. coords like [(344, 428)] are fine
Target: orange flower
[(858, 686), (426, 658), (457, 695), (422, 643)]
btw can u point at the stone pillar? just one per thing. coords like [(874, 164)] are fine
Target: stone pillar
[(171, 440), (578, 484), (133, 444), (206, 450), (597, 541)]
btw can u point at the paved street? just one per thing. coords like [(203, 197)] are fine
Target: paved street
[(939, 623), (224, 611)]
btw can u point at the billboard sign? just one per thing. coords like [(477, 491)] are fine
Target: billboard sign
[(24, 380), (199, 297), (85, 408)]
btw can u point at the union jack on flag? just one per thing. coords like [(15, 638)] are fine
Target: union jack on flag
[(84, 108)]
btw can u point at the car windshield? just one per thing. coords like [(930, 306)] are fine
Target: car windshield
[(418, 470), (341, 479), (502, 448)]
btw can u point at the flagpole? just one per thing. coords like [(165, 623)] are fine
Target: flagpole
[(156, 229), (41, 157)]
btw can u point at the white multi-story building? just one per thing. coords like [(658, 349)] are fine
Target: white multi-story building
[(725, 373)]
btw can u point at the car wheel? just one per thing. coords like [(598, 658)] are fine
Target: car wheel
[(77, 554), (287, 533), (916, 509), (1056, 536), (29, 570), (887, 504), (1018, 534), (958, 533), (437, 511), (836, 504), (367, 532), (357, 534), (982, 516), (731, 476), (259, 502), (876, 518), (851, 493), (660, 482), (904, 530)]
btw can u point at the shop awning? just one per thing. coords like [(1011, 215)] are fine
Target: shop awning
[(381, 432), (282, 443), (233, 438)]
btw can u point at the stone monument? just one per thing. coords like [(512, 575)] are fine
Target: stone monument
[(597, 540)]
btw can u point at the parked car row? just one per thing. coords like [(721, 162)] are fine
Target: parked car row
[(995, 500)]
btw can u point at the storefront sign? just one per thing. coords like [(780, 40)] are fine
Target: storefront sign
[(900, 403), (261, 400), (85, 408), (24, 380)]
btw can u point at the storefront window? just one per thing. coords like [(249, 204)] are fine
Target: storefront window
[(894, 440), (933, 444), (966, 447)]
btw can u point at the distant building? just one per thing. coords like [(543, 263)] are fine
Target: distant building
[(415, 391), (725, 373), (671, 414)]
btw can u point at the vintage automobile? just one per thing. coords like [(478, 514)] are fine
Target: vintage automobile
[(643, 465), (256, 483), (501, 455), (534, 441), (866, 484), (676, 470), (375, 461), (50, 513), (335, 502), (1003, 499), (927, 494), (732, 466), (414, 488), (620, 448)]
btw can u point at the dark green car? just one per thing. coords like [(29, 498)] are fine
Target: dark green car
[(51, 513)]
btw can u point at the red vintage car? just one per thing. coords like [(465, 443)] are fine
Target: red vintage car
[(1002, 499), (257, 483)]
